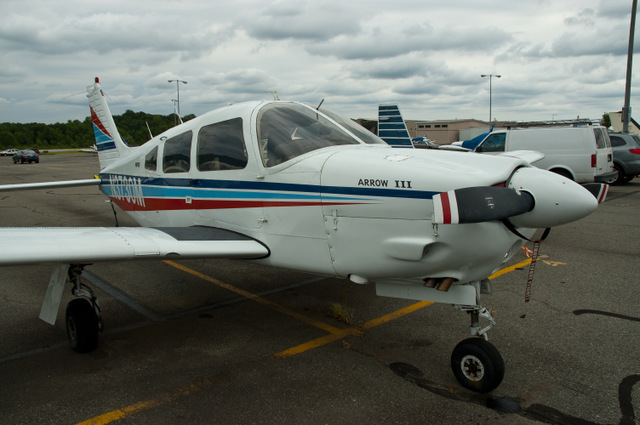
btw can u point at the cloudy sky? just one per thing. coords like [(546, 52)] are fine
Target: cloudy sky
[(558, 58)]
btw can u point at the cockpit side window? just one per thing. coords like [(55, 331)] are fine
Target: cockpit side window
[(177, 153), (221, 146), (286, 131)]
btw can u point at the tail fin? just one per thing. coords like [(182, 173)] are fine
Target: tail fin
[(391, 127), (108, 141)]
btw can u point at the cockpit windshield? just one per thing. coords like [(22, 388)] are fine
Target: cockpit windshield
[(361, 132), (288, 130)]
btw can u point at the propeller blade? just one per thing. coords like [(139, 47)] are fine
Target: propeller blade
[(598, 190), (478, 204)]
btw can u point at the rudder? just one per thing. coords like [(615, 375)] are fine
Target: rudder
[(109, 144)]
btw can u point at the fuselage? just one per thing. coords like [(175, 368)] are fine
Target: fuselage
[(323, 197)]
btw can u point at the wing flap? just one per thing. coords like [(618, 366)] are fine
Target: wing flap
[(94, 244)]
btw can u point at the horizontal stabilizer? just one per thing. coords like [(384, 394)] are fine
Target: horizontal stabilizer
[(479, 204)]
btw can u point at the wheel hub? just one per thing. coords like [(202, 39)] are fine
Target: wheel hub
[(472, 368)]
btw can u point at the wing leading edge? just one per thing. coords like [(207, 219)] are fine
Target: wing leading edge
[(85, 245)]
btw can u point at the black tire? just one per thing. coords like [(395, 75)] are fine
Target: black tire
[(563, 173), (82, 325), (477, 365), (619, 179)]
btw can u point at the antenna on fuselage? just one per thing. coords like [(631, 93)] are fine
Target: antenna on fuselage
[(150, 135), (319, 105)]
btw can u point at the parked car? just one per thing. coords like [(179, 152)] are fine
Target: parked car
[(8, 152), (582, 154), (26, 155), (626, 156)]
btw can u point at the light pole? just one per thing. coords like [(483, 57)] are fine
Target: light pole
[(178, 87), (626, 109), (490, 89), (175, 112)]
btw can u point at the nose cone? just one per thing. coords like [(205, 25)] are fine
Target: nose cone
[(558, 200)]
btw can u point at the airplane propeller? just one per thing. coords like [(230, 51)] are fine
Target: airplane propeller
[(478, 204), (532, 198)]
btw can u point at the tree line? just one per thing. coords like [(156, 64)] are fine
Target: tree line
[(132, 127)]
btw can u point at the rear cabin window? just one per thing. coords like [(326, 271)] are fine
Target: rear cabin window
[(221, 146), (493, 143), (151, 160), (177, 153)]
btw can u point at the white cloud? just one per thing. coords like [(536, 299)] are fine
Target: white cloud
[(563, 59)]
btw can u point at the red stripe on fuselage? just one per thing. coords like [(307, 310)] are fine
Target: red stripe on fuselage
[(163, 204)]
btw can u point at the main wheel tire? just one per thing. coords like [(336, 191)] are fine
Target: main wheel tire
[(477, 365), (82, 325)]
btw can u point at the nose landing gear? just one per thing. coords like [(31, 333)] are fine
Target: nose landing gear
[(476, 363)]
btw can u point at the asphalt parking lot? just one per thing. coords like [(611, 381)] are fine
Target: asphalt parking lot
[(223, 342)]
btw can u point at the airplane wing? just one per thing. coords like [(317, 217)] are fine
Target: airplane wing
[(49, 185), (94, 244), (529, 156)]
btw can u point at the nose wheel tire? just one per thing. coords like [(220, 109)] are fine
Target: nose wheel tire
[(82, 325), (477, 365)]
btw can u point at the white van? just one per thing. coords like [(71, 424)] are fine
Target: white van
[(582, 153)]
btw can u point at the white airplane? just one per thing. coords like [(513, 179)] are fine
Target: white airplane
[(289, 185)]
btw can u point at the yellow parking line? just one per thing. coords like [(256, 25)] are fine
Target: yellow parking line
[(165, 398), (398, 313), (510, 268), (327, 339), (256, 298)]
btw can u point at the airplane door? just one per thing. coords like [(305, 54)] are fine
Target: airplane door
[(224, 185)]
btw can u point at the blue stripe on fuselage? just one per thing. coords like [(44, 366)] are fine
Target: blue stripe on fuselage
[(175, 187)]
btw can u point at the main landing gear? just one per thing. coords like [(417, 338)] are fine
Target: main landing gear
[(83, 318), (476, 363)]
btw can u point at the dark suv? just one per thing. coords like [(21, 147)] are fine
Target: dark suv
[(626, 156)]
